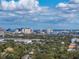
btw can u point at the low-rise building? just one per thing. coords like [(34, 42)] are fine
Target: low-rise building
[(25, 41), (72, 47), (26, 57)]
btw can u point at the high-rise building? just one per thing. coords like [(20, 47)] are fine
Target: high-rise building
[(49, 31), (26, 30), (1, 32)]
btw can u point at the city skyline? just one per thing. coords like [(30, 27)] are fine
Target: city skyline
[(42, 14)]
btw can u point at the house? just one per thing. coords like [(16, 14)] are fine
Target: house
[(72, 47), (26, 57)]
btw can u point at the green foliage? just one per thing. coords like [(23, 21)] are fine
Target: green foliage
[(50, 48)]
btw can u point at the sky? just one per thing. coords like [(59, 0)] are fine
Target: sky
[(51, 3), (39, 14)]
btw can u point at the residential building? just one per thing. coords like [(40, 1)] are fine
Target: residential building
[(26, 57), (72, 47)]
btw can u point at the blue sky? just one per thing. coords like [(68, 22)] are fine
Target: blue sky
[(51, 3), (42, 14)]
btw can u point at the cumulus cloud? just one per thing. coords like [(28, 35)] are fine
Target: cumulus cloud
[(21, 4), (74, 1), (4, 5), (73, 4), (70, 11), (62, 5), (65, 16)]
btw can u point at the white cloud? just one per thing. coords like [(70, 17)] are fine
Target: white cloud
[(11, 5), (70, 11), (22, 4), (46, 14), (4, 5), (74, 1), (4, 14), (73, 4), (62, 5)]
